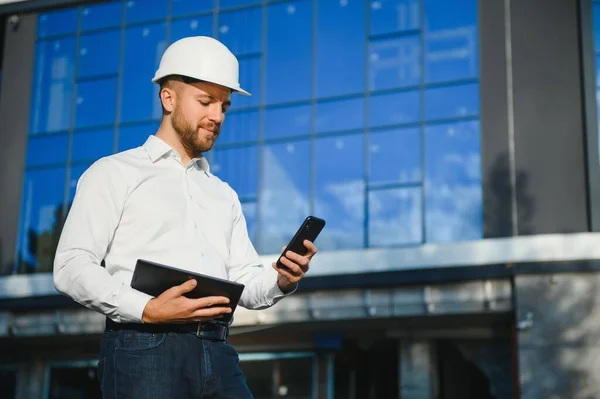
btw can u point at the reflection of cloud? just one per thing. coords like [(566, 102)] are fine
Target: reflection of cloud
[(395, 217), (284, 202)]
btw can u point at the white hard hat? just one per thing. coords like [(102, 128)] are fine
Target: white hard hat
[(202, 58)]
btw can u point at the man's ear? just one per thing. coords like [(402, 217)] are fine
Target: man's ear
[(167, 98)]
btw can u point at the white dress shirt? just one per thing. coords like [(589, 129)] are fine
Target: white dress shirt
[(144, 204)]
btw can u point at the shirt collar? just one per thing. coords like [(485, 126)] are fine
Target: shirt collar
[(157, 149)]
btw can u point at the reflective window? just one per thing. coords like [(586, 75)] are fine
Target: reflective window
[(103, 15), (135, 135), (335, 116), (250, 81), (52, 85), (596, 22), (452, 101), (239, 127), (289, 52), (390, 16), (185, 7), (394, 63), (96, 103), (395, 157), (241, 30), (340, 190), (394, 109), (145, 10), (285, 195), (196, 26), (41, 219), (395, 217), (99, 53), (451, 43), (62, 22), (47, 150), (453, 197), (287, 121), (91, 145), (236, 3), (239, 168), (144, 46), (341, 48)]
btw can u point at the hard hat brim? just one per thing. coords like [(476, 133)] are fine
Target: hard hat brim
[(238, 89)]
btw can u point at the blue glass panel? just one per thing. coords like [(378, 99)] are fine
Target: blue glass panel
[(452, 101), (335, 116), (395, 217), (289, 52), (96, 103), (239, 168), (241, 30), (340, 191), (103, 15), (47, 150), (144, 46), (41, 219), (597, 71), (91, 145), (52, 85), (389, 16), (285, 196), (249, 210), (99, 53), (394, 109), (395, 156), (453, 194), (196, 26), (236, 3), (394, 63), (75, 173), (287, 121), (596, 25), (135, 135), (62, 22), (341, 48), (145, 10), (185, 7), (451, 48), (250, 81), (241, 126)]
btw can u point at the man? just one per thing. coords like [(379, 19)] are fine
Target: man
[(160, 202)]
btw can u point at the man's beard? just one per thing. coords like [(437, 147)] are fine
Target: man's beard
[(189, 134)]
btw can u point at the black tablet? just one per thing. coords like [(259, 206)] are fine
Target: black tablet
[(154, 278)]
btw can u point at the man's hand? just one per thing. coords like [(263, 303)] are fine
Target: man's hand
[(296, 267), (172, 307)]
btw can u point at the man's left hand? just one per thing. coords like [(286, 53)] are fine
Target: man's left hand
[(296, 267)]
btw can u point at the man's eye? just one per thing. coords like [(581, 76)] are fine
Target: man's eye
[(204, 103), (224, 110)]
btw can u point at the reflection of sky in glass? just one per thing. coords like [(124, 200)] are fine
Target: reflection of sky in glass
[(340, 190), (413, 168), (285, 196)]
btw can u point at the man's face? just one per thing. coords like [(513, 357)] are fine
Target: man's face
[(198, 114)]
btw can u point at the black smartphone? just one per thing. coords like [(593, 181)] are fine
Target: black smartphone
[(309, 230)]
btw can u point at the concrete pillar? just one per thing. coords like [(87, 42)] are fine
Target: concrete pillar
[(558, 318), (417, 369)]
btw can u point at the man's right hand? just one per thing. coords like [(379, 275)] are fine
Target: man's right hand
[(172, 307)]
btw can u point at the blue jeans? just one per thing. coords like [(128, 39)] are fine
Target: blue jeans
[(168, 365)]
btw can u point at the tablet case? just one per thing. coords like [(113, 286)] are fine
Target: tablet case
[(154, 278)]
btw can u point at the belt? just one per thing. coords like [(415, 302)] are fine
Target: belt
[(208, 329)]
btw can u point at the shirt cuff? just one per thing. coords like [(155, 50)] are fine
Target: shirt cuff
[(131, 305), (275, 294)]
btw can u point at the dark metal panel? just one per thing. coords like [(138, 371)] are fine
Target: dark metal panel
[(14, 113), (549, 131), (498, 191), (38, 5)]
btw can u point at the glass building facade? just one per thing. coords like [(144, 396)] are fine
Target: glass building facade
[(365, 113)]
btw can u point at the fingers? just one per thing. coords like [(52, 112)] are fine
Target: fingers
[(312, 249), (209, 313), (210, 301), (294, 269), (299, 260), (181, 289)]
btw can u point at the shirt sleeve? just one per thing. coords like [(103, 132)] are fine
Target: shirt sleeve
[(261, 288), (86, 236)]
